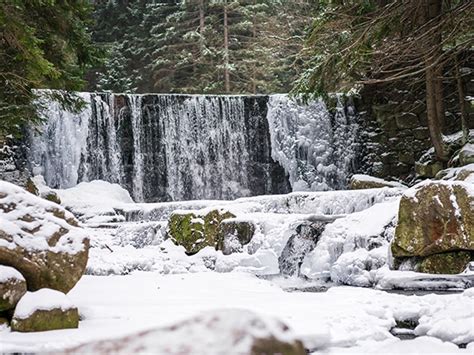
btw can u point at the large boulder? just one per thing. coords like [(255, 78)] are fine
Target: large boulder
[(41, 240), (12, 287), (233, 234), (216, 332), (435, 218), (195, 230), (43, 310), (362, 182)]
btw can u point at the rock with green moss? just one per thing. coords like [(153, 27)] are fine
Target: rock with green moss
[(435, 217), (446, 263), (41, 240), (233, 234), (43, 310), (195, 230), (428, 169), (12, 287)]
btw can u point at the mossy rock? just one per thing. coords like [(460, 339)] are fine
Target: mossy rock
[(51, 196), (11, 288), (428, 169), (194, 231), (446, 263), (42, 320), (435, 218), (233, 234), (31, 187)]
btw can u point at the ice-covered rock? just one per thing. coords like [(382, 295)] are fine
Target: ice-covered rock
[(219, 332), (140, 235), (435, 217), (234, 233), (301, 243), (12, 287), (352, 247), (40, 239), (44, 309), (361, 182)]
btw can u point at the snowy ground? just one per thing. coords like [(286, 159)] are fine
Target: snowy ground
[(139, 280), (343, 319)]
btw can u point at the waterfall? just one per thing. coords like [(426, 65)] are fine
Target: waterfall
[(316, 147), (183, 147)]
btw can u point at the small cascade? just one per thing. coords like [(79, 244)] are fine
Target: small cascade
[(189, 147)]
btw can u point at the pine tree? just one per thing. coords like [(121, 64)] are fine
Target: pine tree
[(43, 44)]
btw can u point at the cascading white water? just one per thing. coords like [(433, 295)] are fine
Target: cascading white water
[(57, 151), (316, 148), (178, 147)]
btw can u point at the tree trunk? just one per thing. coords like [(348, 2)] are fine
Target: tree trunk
[(432, 115), (254, 66), (226, 51), (462, 103), (434, 89), (201, 25)]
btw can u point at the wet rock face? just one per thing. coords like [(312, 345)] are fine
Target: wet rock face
[(41, 240), (436, 220), (300, 244)]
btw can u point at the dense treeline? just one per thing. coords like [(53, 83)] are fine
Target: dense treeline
[(234, 46), (201, 46)]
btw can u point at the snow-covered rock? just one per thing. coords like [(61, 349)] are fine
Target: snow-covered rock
[(44, 191), (466, 154), (218, 332), (361, 182), (12, 287), (463, 173), (44, 309), (40, 239)]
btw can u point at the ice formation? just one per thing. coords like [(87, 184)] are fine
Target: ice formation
[(178, 147)]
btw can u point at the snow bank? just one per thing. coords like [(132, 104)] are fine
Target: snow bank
[(44, 299), (95, 201)]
